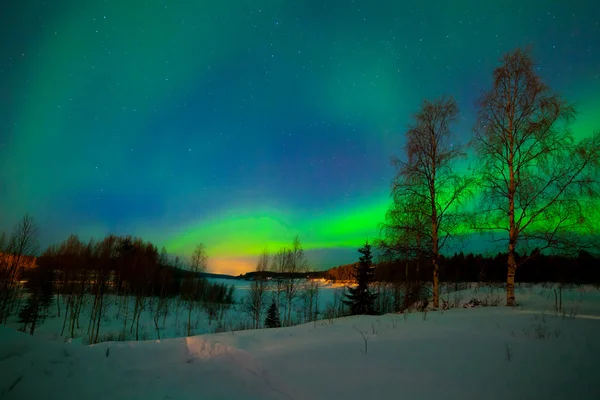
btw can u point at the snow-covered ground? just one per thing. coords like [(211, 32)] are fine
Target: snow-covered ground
[(174, 324), (526, 352)]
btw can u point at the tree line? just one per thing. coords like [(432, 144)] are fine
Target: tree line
[(75, 275), (133, 275), (279, 284), (584, 268)]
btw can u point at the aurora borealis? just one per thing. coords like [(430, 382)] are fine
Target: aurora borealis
[(243, 123)]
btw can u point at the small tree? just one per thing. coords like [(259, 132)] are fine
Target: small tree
[(192, 283), (272, 320), (279, 264), (296, 266), (310, 300), (255, 300), (199, 259), (360, 299)]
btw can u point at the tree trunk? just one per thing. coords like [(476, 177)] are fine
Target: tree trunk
[(510, 279), (156, 317), (189, 324), (92, 321), (137, 326), (164, 313), (62, 332), (98, 319), (436, 284), (512, 231), (406, 286), (35, 316)]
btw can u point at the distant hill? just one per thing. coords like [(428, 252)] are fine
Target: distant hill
[(269, 274), (582, 268), (341, 273), (217, 276)]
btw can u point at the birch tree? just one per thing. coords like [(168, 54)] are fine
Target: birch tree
[(427, 176), (256, 299), (539, 184)]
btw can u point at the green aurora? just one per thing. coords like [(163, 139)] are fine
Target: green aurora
[(243, 123)]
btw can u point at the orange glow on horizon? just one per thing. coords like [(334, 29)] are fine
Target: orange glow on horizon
[(231, 265)]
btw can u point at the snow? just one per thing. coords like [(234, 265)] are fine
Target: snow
[(175, 324), (452, 354)]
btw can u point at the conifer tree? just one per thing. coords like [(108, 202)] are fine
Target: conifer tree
[(272, 320), (360, 299)]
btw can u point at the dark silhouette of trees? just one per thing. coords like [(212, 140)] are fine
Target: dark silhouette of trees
[(142, 278), (404, 237), (193, 283), (159, 305), (426, 189), (293, 283), (310, 300), (199, 260), (2, 241), (40, 287), (291, 268), (102, 262), (583, 268), (69, 259), (538, 183), (279, 269), (272, 319), (18, 248), (360, 299), (255, 300)]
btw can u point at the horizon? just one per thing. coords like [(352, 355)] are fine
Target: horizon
[(241, 126)]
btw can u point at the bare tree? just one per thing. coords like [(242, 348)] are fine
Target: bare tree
[(426, 177), (40, 282), (199, 260), (22, 243), (404, 238), (160, 306), (191, 284), (69, 254), (81, 280), (296, 267), (538, 183), (279, 266), (290, 265), (310, 300), (256, 299), (105, 254)]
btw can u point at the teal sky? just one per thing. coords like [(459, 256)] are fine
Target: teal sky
[(243, 123)]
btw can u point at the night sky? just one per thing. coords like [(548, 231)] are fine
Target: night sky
[(243, 123)]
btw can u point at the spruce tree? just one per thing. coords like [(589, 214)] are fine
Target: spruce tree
[(272, 320), (360, 299)]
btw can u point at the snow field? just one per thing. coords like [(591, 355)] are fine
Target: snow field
[(526, 352)]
